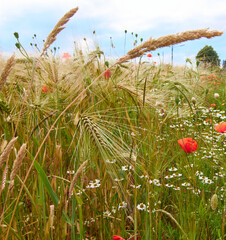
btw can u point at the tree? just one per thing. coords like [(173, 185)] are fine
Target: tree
[(224, 64), (208, 55)]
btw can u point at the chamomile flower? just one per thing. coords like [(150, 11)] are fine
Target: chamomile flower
[(173, 169), (170, 185), (185, 184), (141, 207), (177, 174), (168, 176), (156, 182), (122, 205), (207, 181)]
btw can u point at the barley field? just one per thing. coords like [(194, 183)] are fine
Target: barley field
[(98, 148)]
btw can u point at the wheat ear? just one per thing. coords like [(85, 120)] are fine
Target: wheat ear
[(168, 40), (76, 176), (17, 163), (6, 71), (7, 150), (57, 29)]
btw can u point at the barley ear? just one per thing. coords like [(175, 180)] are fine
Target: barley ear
[(57, 29), (6, 152), (76, 176), (168, 40), (17, 164), (6, 71)]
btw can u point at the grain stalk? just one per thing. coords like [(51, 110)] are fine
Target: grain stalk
[(57, 29), (5, 154), (168, 40), (76, 176), (17, 164), (6, 71)]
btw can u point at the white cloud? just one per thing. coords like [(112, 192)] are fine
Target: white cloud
[(135, 15), (118, 15)]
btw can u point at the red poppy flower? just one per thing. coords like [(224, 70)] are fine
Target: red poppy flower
[(209, 121), (44, 89), (188, 144), (66, 56), (149, 55), (107, 74), (221, 127), (213, 105), (116, 237)]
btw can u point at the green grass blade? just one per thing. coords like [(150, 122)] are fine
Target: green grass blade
[(46, 183)]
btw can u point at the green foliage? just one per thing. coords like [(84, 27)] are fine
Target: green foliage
[(208, 55)]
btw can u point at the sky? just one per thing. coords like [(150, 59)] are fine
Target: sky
[(109, 19)]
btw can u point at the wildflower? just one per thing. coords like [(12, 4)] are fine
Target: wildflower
[(177, 174), (220, 174), (169, 176), (95, 184), (66, 56), (149, 55), (107, 214), (107, 74), (156, 182), (208, 181), (169, 185), (209, 121), (124, 168), (122, 205), (216, 95), (221, 127), (196, 191), (141, 207), (177, 188), (213, 105), (199, 173), (173, 169), (185, 184), (44, 89), (188, 144), (135, 186), (116, 237)]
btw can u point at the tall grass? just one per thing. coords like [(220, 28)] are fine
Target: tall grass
[(102, 156)]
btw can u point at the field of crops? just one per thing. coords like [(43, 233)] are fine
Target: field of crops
[(95, 148)]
